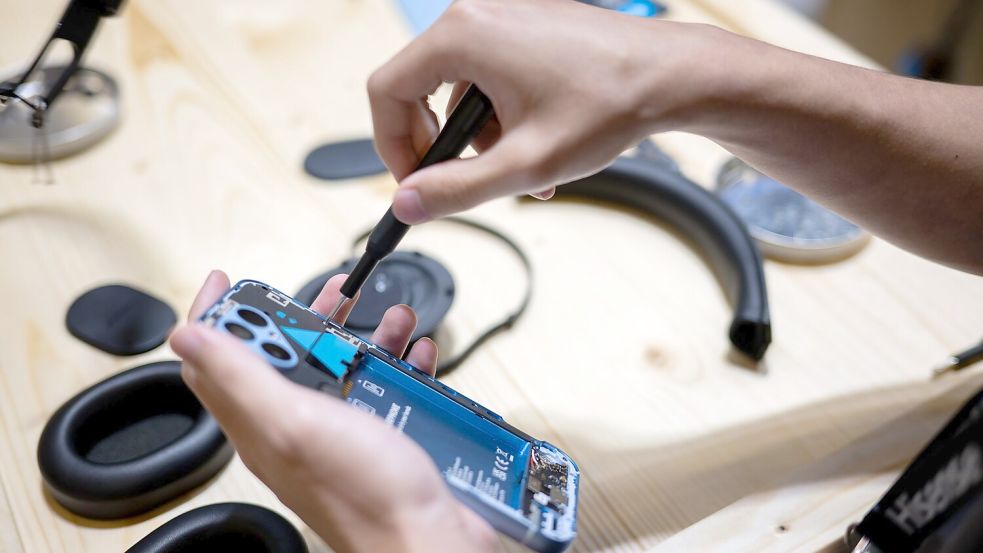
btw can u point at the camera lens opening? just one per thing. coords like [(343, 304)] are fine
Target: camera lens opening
[(239, 331), (252, 317), (276, 351)]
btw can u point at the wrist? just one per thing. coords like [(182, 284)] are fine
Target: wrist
[(703, 78)]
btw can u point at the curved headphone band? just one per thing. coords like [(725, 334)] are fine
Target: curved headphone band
[(665, 193), (504, 324), (662, 191)]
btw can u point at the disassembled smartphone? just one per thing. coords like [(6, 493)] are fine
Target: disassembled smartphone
[(525, 488)]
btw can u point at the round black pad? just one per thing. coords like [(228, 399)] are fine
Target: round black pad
[(404, 277), (130, 443), (120, 320), (238, 527), (344, 160)]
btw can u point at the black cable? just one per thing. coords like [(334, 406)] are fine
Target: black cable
[(513, 316)]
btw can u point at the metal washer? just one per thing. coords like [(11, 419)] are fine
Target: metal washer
[(86, 112)]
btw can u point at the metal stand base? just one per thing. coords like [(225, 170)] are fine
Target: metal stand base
[(85, 113)]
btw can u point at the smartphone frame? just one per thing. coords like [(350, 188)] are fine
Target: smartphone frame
[(503, 518)]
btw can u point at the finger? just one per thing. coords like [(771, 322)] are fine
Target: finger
[(423, 130), (457, 92), (461, 184), (264, 414), (328, 299), (481, 533), (395, 93), (545, 194), (396, 119), (238, 387), (394, 332), (216, 284), (490, 134), (423, 355)]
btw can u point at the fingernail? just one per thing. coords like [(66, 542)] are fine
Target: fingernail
[(186, 342), (211, 275), (408, 207)]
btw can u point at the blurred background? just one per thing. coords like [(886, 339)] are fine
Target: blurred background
[(940, 39)]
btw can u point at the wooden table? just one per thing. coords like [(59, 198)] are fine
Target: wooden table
[(222, 100)]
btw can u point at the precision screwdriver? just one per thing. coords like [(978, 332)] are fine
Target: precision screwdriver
[(468, 118), (959, 361)]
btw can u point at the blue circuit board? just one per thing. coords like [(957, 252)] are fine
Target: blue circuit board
[(461, 443)]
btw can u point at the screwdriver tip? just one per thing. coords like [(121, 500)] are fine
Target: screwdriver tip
[(337, 308), (951, 364)]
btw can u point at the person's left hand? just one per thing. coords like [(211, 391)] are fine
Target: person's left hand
[(358, 482)]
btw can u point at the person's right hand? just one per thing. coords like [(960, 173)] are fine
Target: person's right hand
[(572, 86)]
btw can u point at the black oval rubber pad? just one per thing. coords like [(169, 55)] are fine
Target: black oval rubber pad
[(120, 320), (344, 160)]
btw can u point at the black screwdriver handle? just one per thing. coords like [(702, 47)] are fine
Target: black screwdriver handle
[(470, 115)]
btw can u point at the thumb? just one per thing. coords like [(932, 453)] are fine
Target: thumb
[(241, 390), (460, 184)]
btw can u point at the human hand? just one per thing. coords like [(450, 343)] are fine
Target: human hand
[(572, 86), (360, 484)]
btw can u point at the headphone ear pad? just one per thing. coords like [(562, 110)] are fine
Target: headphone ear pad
[(238, 527), (130, 443)]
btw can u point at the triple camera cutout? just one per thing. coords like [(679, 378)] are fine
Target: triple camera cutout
[(258, 331)]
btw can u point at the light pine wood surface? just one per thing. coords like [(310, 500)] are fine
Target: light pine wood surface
[(221, 100)]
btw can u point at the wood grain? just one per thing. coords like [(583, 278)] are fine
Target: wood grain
[(221, 102)]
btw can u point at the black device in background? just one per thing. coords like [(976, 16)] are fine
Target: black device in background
[(936, 61), (936, 504)]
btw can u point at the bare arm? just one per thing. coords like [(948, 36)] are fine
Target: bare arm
[(902, 157)]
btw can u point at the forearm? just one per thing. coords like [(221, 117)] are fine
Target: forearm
[(901, 157)]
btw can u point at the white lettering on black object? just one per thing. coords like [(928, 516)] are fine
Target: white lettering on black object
[(962, 472)]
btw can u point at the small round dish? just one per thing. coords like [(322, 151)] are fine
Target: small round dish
[(86, 112), (786, 225)]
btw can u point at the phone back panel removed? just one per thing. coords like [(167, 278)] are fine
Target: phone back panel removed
[(525, 488)]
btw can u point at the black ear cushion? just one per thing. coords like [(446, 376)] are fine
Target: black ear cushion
[(130, 443), (120, 320), (237, 527)]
